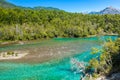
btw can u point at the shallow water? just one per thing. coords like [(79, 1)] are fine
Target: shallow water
[(54, 68)]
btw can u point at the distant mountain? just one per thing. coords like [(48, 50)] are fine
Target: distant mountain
[(39, 8), (108, 10), (5, 4), (47, 8)]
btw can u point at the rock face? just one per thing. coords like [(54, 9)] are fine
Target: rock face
[(115, 76), (108, 10)]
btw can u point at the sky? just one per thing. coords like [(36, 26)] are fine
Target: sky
[(70, 5)]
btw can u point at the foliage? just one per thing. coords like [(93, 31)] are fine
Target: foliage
[(10, 53), (95, 50), (109, 59), (28, 24)]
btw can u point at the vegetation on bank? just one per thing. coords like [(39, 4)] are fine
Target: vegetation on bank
[(8, 54), (109, 60), (27, 24)]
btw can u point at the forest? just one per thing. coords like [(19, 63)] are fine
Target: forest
[(27, 24)]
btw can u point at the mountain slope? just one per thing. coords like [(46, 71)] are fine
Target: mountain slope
[(5, 4), (47, 8), (108, 10)]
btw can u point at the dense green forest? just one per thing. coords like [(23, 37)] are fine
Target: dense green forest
[(28, 24), (109, 61)]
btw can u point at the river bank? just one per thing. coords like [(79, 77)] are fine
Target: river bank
[(13, 55), (4, 43)]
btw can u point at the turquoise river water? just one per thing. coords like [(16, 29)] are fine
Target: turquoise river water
[(51, 69)]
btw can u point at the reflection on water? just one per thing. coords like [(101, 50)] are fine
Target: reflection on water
[(50, 59)]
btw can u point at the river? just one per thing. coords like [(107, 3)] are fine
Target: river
[(49, 59)]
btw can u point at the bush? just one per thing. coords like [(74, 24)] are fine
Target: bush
[(10, 53)]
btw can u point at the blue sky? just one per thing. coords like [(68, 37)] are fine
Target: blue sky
[(70, 5)]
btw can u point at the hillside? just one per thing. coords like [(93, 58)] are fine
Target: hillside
[(47, 8), (5, 4)]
